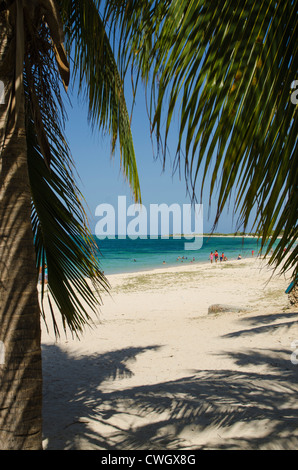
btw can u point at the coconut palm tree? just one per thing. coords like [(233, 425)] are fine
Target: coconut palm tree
[(42, 220), (228, 66)]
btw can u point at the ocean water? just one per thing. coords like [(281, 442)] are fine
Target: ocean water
[(127, 255)]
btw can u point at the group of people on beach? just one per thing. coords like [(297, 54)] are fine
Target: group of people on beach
[(182, 258), (215, 255)]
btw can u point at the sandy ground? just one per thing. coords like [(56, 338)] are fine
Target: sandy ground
[(158, 372)]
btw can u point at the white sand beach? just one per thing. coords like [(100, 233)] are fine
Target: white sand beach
[(158, 372)]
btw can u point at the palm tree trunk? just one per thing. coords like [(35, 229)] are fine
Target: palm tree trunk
[(20, 368)]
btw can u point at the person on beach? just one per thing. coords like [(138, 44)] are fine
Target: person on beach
[(211, 257), (216, 256), (45, 275), (239, 257), (222, 258), (252, 252)]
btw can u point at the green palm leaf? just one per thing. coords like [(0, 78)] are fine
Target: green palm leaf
[(95, 68), (63, 241), (227, 68)]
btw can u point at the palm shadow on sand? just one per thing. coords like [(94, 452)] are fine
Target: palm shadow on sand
[(221, 409)]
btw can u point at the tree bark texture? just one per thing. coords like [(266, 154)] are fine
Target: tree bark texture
[(20, 358)]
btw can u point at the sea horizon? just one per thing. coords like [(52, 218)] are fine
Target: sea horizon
[(124, 255)]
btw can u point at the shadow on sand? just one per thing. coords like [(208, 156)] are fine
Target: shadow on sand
[(221, 409)]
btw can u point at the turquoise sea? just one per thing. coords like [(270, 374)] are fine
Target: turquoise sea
[(127, 255)]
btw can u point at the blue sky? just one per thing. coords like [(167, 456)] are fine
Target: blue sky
[(100, 177)]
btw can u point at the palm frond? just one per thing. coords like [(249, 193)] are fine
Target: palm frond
[(227, 68), (100, 83), (63, 241)]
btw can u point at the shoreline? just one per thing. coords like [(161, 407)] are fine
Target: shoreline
[(184, 265), (134, 258), (191, 266), (192, 235)]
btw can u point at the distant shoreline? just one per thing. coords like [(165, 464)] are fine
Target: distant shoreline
[(192, 235), (128, 255), (189, 267), (227, 235)]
